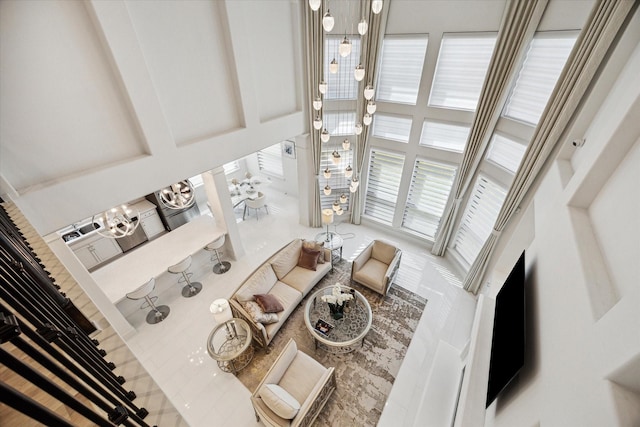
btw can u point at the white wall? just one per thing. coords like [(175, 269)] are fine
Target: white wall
[(103, 102), (583, 358)]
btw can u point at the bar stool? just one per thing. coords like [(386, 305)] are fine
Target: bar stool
[(222, 266), (157, 313), (191, 288)]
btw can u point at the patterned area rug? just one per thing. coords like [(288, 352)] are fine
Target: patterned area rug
[(365, 376)]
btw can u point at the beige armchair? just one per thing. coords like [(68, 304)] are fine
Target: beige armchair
[(294, 390), (377, 266)]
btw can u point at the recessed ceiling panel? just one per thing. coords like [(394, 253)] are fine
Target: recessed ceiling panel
[(188, 53), (274, 57), (62, 108)]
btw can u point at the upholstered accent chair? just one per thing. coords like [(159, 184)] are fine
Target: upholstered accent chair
[(376, 266), (294, 391)]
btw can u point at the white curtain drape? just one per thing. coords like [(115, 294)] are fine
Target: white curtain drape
[(518, 25), (370, 47), (314, 55), (603, 24)]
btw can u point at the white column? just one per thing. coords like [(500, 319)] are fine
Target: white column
[(217, 190)]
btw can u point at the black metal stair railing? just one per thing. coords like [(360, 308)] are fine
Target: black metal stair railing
[(31, 304)]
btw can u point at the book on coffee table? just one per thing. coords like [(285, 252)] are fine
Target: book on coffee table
[(323, 327)]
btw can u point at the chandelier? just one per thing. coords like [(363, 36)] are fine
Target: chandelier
[(119, 221), (364, 96), (180, 195)]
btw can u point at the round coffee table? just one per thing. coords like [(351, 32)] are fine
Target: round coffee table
[(345, 334), (230, 345)]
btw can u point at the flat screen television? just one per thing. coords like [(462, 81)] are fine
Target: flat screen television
[(508, 342)]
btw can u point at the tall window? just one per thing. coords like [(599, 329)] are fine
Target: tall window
[(342, 85), (430, 187), (338, 182), (401, 64), (479, 217), (462, 65), (545, 59), (444, 136), (396, 128), (505, 152), (339, 123), (270, 160), (385, 172)]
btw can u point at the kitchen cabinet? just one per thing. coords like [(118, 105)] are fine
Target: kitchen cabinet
[(95, 249), (151, 223)]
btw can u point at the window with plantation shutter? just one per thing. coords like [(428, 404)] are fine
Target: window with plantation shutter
[(338, 182), (462, 65), (544, 61), (340, 123), (480, 215), (505, 152), (270, 160), (396, 128), (430, 187), (401, 62), (341, 85), (231, 167), (383, 183), (444, 136)]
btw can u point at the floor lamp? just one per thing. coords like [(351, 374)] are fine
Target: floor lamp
[(327, 218)]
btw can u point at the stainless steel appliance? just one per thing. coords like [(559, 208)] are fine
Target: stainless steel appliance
[(173, 218), (137, 238)]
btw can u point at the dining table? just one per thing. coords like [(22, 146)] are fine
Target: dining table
[(248, 188)]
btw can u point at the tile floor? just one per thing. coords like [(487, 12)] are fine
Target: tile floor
[(174, 351)]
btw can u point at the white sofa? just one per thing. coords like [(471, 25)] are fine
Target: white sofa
[(282, 277)]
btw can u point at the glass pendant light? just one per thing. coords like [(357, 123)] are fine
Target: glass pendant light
[(363, 27), (340, 211), (327, 190), (343, 198), (376, 6), (315, 4), (333, 66), (335, 157), (348, 172), (317, 123), (328, 21), (358, 128), (345, 47), (336, 206), (371, 107), (317, 104), (366, 119), (324, 135), (358, 73), (353, 187), (322, 87), (368, 92), (346, 144), (327, 173)]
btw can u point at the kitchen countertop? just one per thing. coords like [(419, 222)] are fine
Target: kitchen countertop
[(152, 259)]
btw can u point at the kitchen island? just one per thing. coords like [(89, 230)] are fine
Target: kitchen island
[(152, 259)]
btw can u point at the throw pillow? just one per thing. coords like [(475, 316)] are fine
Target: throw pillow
[(279, 401), (310, 244), (308, 259), (268, 303), (259, 316)]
